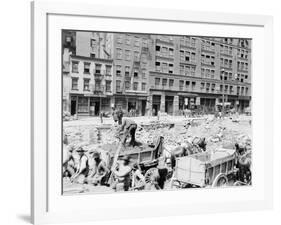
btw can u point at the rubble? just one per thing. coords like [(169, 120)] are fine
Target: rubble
[(67, 117), (218, 133), (175, 134)]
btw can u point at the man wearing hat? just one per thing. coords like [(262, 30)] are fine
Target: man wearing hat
[(98, 169), (122, 174), (83, 166)]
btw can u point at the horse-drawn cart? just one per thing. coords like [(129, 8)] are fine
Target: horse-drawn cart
[(205, 169), (144, 156)]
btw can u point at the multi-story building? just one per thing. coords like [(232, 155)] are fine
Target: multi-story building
[(87, 73), (151, 73), (132, 61), (68, 49), (91, 85), (199, 72)]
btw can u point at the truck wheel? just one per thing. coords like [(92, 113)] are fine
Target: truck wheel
[(149, 174), (220, 181)]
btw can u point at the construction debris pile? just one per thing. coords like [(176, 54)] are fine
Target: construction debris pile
[(66, 116), (217, 133)]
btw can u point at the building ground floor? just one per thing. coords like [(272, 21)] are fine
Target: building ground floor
[(83, 105), (174, 103), (131, 105)]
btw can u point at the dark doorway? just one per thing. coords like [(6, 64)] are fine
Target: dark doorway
[(73, 107), (131, 105), (97, 108), (169, 104), (143, 107), (155, 110)]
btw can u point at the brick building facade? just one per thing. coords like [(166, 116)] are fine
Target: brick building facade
[(151, 73)]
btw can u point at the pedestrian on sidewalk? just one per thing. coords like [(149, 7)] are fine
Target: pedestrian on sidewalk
[(101, 117)]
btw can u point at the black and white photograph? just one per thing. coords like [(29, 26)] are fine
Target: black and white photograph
[(152, 112)]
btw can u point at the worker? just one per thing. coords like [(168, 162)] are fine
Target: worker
[(138, 180), (114, 115), (162, 171), (83, 167), (98, 169), (119, 115), (68, 161), (128, 127), (122, 174)]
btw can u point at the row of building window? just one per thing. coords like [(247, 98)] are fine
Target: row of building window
[(242, 77), (128, 86), (184, 55), (128, 55), (128, 39), (208, 59), (243, 53), (228, 89), (227, 40), (208, 87), (224, 49), (226, 76), (207, 45), (226, 63), (207, 73), (86, 85), (164, 82), (187, 70), (188, 41), (164, 67), (86, 69), (242, 65), (164, 51), (187, 56), (127, 71)]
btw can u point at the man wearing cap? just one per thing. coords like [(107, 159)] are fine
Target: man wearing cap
[(138, 180), (82, 168), (128, 127), (122, 174), (98, 169)]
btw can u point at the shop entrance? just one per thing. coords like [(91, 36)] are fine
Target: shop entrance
[(94, 107), (143, 107), (73, 106), (156, 103), (169, 104)]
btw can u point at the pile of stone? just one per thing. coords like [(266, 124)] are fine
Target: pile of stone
[(67, 117), (155, 125)]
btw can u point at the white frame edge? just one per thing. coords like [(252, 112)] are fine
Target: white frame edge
[(39, 82)]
